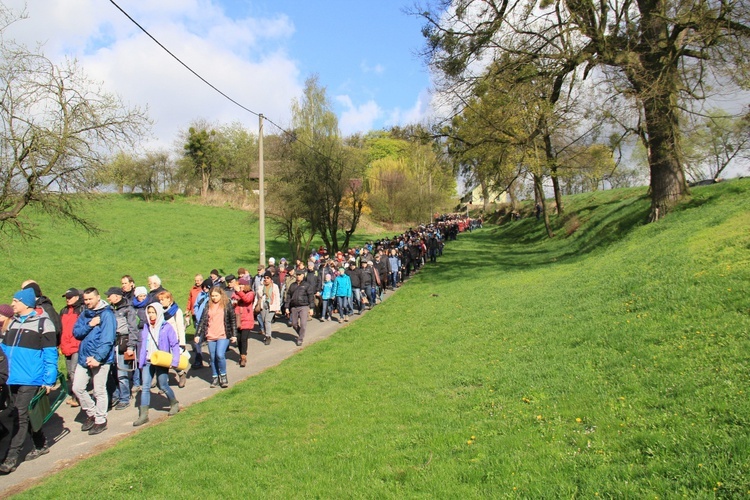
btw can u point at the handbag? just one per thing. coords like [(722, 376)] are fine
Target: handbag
[(122, 343), (258, 305)]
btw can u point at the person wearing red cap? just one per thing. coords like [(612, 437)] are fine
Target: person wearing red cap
[(68, 343), (243, 299)]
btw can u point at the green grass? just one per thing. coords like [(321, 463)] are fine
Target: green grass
[(611, 361)]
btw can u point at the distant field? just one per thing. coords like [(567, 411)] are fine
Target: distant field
[(612, 361)]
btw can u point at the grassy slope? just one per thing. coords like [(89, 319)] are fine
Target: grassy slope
[(612, 362)]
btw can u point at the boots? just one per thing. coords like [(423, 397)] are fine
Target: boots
[(174, 407), (223, 380), (142, 416), (243, 360)]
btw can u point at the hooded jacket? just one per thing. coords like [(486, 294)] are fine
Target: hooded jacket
[(96, 341), (68, 317), (31, 347), (162, 333)]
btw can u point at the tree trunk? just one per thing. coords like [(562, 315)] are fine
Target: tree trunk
[(553, 172), (668, 185), (204, 184), (539, 191)]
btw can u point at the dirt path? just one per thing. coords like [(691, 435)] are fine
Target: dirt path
[(68, 444)]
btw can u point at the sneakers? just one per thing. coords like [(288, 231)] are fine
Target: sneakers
[(214, 382), (299, 342), (223, 382), (36, 453), (267, 340), (88, 424), (72, 402), (8, 466), (122, 405), (98, 429), (181, 379)]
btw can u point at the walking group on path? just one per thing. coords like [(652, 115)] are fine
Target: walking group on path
[(116, 351)]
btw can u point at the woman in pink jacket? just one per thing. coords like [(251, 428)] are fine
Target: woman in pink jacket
[(243, 299)]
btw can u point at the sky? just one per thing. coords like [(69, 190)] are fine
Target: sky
[(258, 52)]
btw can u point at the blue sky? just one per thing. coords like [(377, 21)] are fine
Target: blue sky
[(259, 52)]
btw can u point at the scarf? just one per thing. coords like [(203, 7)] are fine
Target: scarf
[(140, 303), (170, 311)]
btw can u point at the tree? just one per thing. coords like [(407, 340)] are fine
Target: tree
[(718, 141), (327, 169), (203, 153), (655, 51), (57, 127)]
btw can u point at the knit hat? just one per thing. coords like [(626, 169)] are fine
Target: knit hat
[(26, 296), (114, 290), (207, 283), (6, 310), (140, 290), (244, 281)]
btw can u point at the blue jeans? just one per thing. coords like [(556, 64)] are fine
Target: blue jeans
[(162, 380), (343, 305), (217, 350), (357, 299), (327, 307), (122, 391), (373, 293)]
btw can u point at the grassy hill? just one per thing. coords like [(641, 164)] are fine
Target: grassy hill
[(611, 361)]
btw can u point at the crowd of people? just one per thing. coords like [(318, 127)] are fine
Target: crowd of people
[(117, 350)]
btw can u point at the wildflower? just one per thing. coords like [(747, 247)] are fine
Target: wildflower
[(578, 420)]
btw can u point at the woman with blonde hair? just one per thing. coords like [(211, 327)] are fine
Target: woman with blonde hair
[(217, 326)]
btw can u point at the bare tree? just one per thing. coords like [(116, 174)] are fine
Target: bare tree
[(57, 127)]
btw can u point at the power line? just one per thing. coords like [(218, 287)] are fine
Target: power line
[(292, 135)]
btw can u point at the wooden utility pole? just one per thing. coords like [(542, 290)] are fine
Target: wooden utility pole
[(262, 194)]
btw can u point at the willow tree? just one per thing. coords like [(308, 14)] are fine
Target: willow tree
[(658, 52)]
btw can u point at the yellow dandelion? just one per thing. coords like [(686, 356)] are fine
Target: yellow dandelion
[(578, 420)]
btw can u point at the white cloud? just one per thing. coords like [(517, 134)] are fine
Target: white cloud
[(377, 69), (420, 112), (357, 118), (240, 57)]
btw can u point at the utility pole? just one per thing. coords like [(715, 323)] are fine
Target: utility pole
[(262, 194)]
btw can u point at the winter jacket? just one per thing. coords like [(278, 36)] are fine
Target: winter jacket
[(127, 322), (342, 286), (96, 341), (355, 275), (31, 347), (243, 309), (327, 291), (164, 336), (272, 303), (230, 322), (68, 317), (300, 294)]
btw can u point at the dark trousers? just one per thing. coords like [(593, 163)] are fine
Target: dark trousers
[(242, 341), (17, 420)]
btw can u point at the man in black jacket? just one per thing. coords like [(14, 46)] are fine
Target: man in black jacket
[(300, 298)]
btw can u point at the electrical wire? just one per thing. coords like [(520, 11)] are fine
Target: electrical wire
[(289, 134)]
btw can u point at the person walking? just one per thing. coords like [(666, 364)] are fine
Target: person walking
[(96, 328), (68, 343), (30, 345), (270, 301), (218, 326), (301, 301), (342, 290), (126, 341), (243, 299), (157, 335)]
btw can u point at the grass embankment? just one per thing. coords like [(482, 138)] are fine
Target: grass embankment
[(611, 362)]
